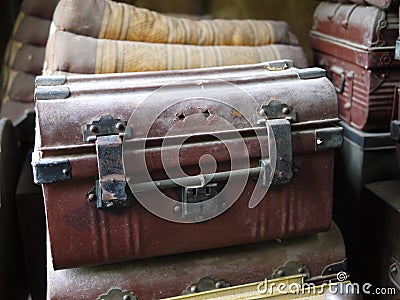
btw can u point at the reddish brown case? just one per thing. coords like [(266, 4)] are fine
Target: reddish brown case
[(67, 165), (359, 58), (318, 254)]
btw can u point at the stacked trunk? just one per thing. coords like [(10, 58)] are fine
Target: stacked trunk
[(355, 42), (99, 232), (88, 201), (124, 38)]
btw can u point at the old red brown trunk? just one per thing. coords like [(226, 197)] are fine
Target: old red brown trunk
[(355, 44), (72, 150)]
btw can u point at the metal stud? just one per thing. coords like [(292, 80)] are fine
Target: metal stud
[(91, 197), (94, 129), (177, 209), (285, 110), (120, 126)]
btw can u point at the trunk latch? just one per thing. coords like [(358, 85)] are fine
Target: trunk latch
[(108, 133)]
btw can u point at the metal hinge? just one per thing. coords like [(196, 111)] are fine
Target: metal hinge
[(292, 268), (328, 138), (278, 110), (51, 170), (107, 133), (118, 294), (279, 65), (205, 284), (335, 268)]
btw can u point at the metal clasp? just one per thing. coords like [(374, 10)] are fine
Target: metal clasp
[(107, 133)]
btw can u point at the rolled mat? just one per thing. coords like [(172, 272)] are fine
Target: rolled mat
[(106, 19), (18, 86), (24, 57), (39, 8), (64, 53), (31, 30)]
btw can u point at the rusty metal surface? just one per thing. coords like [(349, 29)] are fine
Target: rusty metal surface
[(13, 283), (359, 58), (381, 4), (380, 57), (262, 87), (295, 209), (366, 102), (365, 27), (169, 276), (80, 83)]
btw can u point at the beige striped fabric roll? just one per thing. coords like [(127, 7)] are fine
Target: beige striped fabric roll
[(16, 85), (24, 57), (67, 52), (106, 19), (31, 30)]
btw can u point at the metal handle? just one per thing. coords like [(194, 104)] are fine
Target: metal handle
[(393, 270), (340, 72), (199, 180), (283, 166)]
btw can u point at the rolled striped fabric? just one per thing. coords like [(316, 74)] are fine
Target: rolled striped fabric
[(17, 85), (25, 53), (24, 57), (39, 8), (64, 53), (106, 19), (31, 30)]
